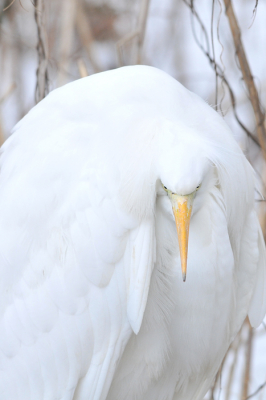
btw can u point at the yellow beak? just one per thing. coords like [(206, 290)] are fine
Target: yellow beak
[(182, 208)]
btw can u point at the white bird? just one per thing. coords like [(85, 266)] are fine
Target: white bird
[(96, 182)]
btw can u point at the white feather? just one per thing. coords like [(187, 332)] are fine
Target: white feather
[(92, 301)]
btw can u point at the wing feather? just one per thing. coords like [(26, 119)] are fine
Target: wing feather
[(257, 308), (74, 274), (140, 265), (250, 278)]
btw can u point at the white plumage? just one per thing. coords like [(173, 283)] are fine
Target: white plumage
[(93, 306)]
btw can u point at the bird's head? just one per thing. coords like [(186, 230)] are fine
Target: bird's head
[(184, 173), (169, 162)]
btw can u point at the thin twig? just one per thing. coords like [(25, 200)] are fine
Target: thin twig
[(8, 92), (247, 76), (42, 87), (254, 13), (212, 390), (221, 56), (218, 379), (82, 68), (235, 348), (120, 43), (143, 16), (2, 100), (9, 5), (139, 32), (246, 378), (213, 54), (67, 20), (86, 36), (219, 70), (256, 391)]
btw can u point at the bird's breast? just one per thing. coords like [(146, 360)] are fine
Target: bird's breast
[(186, 326)]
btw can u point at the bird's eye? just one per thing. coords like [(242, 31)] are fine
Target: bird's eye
[(165, 187), (197, 188)]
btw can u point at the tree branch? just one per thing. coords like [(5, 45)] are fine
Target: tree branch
[(256, 391), (219, 71), (247, 368), (138, 33), (42, 70), (247, 76)]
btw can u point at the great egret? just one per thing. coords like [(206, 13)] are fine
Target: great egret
[(93, 304)]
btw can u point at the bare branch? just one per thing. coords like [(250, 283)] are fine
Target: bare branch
[(221, 55), (9, 5), (254, 13), (139, 32), (217, 380), (86, 36), (142, 26), (8, 92), (256, 391), (42, 88), (82, 68), (213, 54), (235, 348), (247, 368), (67, 19), (2, 100), (248, 78), (120, 43), (219, 70)]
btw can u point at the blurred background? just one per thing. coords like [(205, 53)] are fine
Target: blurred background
[(47, 43)]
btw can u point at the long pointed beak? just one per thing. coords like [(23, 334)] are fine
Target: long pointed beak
[(182, 208)]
